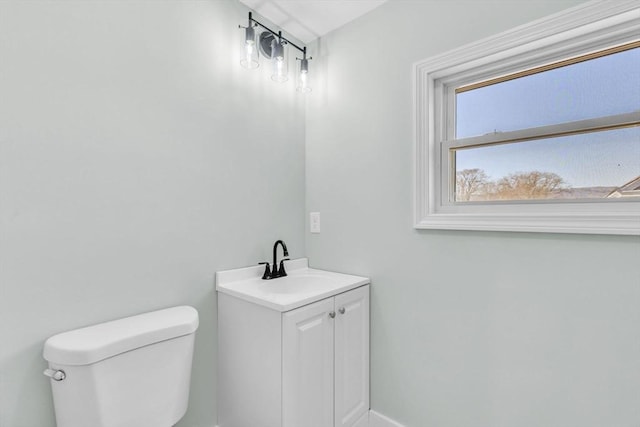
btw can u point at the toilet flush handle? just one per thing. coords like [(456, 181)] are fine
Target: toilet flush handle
[(56, 375)]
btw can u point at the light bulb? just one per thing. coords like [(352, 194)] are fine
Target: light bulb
[(303, 84), (249, 50), (280, 68)]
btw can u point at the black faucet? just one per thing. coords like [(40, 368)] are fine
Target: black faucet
[(275, 272)]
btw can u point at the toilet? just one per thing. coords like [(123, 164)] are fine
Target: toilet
[(131, 372)]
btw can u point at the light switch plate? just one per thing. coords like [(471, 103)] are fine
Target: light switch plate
[(314, 222)]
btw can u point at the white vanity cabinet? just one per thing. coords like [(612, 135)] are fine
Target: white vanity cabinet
[(325, 362), (307, 366)]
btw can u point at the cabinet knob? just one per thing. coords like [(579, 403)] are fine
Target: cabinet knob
[(341, 310), (332, 314)]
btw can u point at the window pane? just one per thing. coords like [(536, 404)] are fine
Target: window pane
[(596, 165), (599, 87)]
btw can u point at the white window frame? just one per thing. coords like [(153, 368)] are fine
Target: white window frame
[(590, 27)]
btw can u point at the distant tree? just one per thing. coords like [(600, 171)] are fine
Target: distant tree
[(470, 182), (527, 185)]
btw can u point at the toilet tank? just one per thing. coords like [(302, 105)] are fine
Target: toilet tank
[(131, 372)]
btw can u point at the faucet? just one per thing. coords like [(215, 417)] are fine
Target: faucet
[(275, 272)]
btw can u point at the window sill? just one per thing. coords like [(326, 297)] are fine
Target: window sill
[(619, 224)]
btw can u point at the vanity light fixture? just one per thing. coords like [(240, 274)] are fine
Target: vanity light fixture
[(272, 46)]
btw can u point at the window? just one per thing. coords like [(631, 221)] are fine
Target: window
[(536, 129), (568, 130)]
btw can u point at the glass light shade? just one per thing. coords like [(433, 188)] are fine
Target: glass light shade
[(249, 50), (303, 84), (280, 63)]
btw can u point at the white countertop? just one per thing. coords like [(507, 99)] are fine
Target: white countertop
[(301, 286)]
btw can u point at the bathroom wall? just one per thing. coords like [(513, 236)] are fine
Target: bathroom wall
[(468, 328), (136, 158)]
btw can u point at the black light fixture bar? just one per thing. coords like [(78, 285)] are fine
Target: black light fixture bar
[(278, 34)]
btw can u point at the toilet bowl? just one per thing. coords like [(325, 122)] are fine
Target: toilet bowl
[(131, 372)]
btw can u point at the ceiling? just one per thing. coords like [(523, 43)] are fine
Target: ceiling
[(307, 20)]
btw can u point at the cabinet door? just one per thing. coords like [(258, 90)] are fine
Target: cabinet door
[(307, 365), (351, 356)]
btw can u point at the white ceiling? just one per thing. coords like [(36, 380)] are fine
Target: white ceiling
[(307, 20)]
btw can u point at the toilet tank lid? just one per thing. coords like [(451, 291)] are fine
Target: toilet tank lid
[(94, 343)]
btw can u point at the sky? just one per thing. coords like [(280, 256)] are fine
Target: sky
[(601, 87)]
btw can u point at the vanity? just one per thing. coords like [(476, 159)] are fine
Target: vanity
[(292, 351)]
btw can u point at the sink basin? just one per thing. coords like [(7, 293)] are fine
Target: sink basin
[(302, 286)]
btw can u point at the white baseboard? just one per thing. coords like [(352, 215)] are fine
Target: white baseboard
[(378, 420)]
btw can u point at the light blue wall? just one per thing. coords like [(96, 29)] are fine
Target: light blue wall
[(468, 328), (136, 158)]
